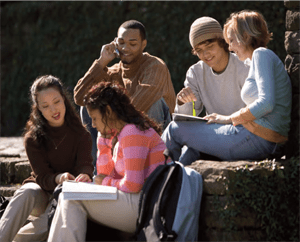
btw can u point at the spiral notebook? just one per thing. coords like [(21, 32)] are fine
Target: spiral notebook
[(88, 191)]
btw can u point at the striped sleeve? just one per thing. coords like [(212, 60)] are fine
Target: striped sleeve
[(105, 163), (140, 153)]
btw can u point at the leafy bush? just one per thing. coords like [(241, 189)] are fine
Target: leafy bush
[(63, 39)]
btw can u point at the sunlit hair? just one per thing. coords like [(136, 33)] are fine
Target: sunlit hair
[(221, 42), (37, 126), (106, 93), (134, 24), (251, 23)]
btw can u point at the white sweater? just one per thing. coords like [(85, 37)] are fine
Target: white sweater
[(218, 93)]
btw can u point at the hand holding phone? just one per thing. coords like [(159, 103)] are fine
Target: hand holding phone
[(108, 53)]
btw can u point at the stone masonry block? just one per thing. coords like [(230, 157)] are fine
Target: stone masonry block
[(291, 60), (295, 107), (240, 235), (292, 4), (210, 216), (292, 42), (23, 171), (292, 65), (8, 169), (9, 190), (292, 146), (292, 22), (215, 173)]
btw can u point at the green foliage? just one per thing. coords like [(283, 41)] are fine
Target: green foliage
[(64, 38), (272, 197)]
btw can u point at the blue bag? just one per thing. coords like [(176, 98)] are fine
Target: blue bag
[(170, 203)]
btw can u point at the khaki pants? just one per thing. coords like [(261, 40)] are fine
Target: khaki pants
[(70, 219), (30, 199)]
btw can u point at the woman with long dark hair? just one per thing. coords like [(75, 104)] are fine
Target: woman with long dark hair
[(58, 147), (130, 148)]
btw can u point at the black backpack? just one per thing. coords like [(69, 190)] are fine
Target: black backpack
[(169, 204), (3, 204)]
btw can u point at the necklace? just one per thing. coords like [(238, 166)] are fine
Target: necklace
[(59, 142)]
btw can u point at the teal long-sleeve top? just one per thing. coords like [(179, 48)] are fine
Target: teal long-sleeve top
[(267, 93)]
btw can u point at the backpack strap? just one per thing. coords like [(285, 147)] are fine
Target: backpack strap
[(162, 232), (167, 154), (3, 204), (146, 193)]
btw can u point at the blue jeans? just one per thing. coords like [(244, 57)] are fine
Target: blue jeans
[(158, 111), (86, 120), (226, 142)]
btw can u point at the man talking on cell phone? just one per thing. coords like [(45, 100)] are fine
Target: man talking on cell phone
[(145, 77)]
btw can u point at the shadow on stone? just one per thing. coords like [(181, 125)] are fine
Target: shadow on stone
[(98, 232)]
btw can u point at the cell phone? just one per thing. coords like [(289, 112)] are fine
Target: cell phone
[(117, 53)]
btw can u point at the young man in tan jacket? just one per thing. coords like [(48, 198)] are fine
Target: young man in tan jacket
[(145, 77)]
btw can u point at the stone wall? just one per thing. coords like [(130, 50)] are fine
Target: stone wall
[(14, 169), (292, 64), (213, 227)]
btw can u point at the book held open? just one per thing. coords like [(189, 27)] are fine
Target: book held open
[(88, 191), (185, 117)]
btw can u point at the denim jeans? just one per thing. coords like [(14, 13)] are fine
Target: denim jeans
[(226, 142), (86, 120), (158, 111)]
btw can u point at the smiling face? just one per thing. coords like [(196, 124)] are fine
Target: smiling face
[(130, 45), (213, 55), (52, 106), (242, 51)]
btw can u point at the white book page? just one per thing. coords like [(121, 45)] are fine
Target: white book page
[(88, 191)]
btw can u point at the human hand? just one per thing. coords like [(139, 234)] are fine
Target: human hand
[(186, 95), (108, 53), (99, 178), (217, 118), (60, 178), (83, 178)]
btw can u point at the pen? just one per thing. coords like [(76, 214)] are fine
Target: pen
[(194, 111)]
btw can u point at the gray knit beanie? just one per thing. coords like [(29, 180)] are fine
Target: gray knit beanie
[(205, 28)]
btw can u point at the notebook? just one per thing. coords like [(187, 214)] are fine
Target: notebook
[(185, 117), (88, 191)]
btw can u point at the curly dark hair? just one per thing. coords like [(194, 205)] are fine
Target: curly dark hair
[(36, 127), (106, 93)]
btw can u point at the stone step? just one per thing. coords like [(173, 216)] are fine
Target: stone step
[(9, 190), (14, 170)]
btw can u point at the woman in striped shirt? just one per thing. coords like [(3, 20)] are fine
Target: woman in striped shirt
[(129, 149)]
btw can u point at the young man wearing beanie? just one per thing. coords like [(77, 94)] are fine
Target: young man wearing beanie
[(215, 82), (146, 77)]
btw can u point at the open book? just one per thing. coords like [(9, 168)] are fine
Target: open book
[(185, 117), (88, 191)]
